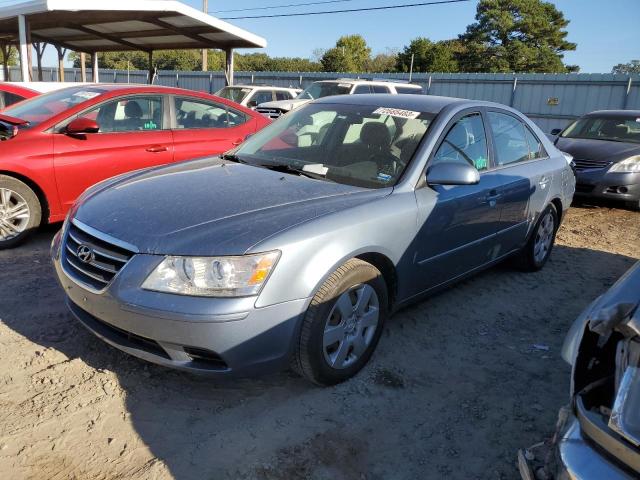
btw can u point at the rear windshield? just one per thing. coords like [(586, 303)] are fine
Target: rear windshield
[(235, 94), (324, 89), (616, 129), (38, 109)]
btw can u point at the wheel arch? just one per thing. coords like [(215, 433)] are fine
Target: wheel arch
[(44, 203), (388, 270)]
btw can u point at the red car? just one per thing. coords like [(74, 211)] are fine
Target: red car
[(10, 94), (56, 145)]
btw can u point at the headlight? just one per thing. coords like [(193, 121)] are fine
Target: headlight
[(630, 165), (212, 276)]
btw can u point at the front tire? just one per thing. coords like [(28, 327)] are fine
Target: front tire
[(537, 250), (343, 324), (20, 211)]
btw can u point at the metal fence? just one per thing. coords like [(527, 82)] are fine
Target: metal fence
[(551, 100)]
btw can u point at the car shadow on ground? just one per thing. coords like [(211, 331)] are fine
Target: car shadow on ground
[(477, 364)]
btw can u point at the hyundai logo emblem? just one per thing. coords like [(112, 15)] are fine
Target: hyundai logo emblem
[(85, 253)]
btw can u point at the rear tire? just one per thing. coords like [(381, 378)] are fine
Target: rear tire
[(20, 211), (538, 249), (343, 324)]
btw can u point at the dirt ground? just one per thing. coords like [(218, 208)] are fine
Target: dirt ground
[(454, 389)]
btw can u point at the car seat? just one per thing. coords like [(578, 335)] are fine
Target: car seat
[(133, 112)]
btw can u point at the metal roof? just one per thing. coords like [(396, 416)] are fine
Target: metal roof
[(116, 25)]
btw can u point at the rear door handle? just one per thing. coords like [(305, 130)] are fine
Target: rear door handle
[(237, 142), (156, 149), (543, 182)]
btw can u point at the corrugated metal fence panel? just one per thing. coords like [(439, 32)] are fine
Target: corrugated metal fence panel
[(551, 100)]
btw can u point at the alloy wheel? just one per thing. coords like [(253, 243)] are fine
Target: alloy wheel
[(14, 214), (544, 238), (351, 326)]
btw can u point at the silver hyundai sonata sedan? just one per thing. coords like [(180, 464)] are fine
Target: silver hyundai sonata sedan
[(293, 249)]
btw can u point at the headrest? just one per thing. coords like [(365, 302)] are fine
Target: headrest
[(375, 134), (132, 109)]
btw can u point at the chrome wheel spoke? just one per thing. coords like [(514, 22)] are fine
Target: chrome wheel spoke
[(21, 210), (370, 318), (344, 306), (333, 335), (5, 197), (359, 345), (364, 294), (341, 354)]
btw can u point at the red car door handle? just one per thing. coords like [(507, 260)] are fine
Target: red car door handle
[(156, 149), (237, 142)]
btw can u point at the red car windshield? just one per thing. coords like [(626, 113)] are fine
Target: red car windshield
[(43, 107)]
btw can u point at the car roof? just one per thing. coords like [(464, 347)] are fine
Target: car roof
[(614, 113), (420, 103), (243, 85), (374, 81)]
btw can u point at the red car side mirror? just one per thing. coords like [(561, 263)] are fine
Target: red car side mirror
[(83, 125)]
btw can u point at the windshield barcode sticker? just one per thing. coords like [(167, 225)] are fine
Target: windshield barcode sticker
[(396, 112)]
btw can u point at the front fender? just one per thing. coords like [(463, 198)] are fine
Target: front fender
[(312, 251)]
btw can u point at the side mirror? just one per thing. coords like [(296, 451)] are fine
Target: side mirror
[(83, 125), (450, 173), (252, 104), (556, 131)]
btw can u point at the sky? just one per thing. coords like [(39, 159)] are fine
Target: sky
[(606, 31)]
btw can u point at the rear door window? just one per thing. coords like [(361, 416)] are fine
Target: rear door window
[(196, 113), (536, 150), (360, 89), (509, 138), (260, 97), (380, 89)]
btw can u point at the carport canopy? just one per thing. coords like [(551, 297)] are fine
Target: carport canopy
[(91, 26)]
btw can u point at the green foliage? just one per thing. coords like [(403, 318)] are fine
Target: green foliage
[(382, 62), (515, 36), (13, 56), (627, 68), (351, 54), (429, 56)]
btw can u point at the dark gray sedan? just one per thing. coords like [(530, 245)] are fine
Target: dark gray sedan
[(605, 146), (292, 250)]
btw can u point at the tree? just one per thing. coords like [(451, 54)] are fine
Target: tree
[(137, 60), (627, 68), (350, 54), (429, 56), (516, 36), (383, 62)]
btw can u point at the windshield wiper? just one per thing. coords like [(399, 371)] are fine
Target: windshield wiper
[(286, 168), (232, 157)]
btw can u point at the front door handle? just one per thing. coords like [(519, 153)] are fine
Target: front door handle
[(237, 142), (492, 197), (156, 149)]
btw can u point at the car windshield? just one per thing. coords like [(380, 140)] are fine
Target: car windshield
[(324, 89), (235, 94), (359, 145), (38, 109), (617, 129)]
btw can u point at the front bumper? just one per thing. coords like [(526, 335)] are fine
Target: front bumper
[(579, 459), (600, 183), (214, 336)]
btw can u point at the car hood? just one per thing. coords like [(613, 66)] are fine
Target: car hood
[(597, 149), (285, 104), (210, 207)]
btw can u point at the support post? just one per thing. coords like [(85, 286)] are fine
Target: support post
[(61, 51), (5, 48), (205, 66), (94, 66), (83, 67), (627, 93), (151, 67), (25, 48), (513, 92), (229, 66)]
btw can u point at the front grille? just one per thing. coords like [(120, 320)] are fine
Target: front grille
[(270, 112), (586, 163), (583, 188), (97, 271)]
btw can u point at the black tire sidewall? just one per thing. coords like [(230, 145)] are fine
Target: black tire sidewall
[(323, 373), (35, 208)]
